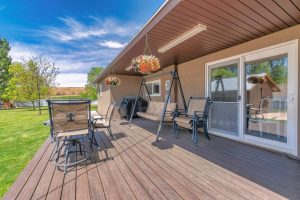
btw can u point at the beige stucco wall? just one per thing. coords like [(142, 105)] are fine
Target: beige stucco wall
[(105, 99), (128, 87), (163, 76), (192, 73)]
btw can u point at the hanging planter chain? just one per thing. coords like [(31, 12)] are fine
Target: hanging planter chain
[(147, 47)]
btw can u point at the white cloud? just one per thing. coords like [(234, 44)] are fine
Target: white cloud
[(72, 80), (73, 29), (20, 52), (112, 44)]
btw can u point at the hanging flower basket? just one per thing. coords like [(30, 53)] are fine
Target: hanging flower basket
[(145, 64), (112, 81)]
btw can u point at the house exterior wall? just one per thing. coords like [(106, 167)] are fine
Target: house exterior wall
[(128, 87), (165, 75), (192, 73), (105, 99)]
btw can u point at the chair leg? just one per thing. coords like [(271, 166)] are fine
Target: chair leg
[(94, 141), (55, 150), (176, 129), (195, 137), (66, 159), (110, 133), (206, 130)]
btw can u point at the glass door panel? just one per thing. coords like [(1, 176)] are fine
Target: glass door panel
[(266, 98), (224, 90)]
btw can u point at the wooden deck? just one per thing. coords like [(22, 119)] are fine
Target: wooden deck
[(133, 167)]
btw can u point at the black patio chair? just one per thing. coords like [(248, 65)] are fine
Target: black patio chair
[(105, 122), (195, 117)]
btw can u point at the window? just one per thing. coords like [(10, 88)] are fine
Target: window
[(154, 88), (99, 90)]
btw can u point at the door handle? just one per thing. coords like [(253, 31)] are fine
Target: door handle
[(291, 98)]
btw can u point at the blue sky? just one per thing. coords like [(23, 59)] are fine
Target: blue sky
[(75, 34)]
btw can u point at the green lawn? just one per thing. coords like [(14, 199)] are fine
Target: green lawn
[(21, 135)]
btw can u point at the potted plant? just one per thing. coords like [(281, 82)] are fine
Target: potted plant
[(145, 64), (112, 81)]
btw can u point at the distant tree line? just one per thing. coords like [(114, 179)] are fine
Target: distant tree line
[(91, 88)]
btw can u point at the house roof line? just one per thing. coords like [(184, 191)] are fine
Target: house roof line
[(158, 15)]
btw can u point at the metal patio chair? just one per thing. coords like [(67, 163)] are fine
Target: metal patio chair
[(105, 122), (195, 117), (70, 125)]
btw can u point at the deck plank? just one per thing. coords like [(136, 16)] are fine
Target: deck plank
[(32, 182), (135, 154), (95, 184), (44, 183), (151, 188), (136, 187), (135, 167), (182, 154)]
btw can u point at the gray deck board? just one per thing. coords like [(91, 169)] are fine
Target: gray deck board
[(135, 167)]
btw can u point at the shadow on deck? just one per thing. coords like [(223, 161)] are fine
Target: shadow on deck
[(135, 167)]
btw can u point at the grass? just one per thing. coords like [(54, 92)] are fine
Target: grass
[(66, 97), (21, 135)]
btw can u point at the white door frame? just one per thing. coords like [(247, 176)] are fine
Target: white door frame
[(210, 66), (290, 48)]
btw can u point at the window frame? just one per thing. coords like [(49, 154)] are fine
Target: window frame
[(152, 87), (99, 89)]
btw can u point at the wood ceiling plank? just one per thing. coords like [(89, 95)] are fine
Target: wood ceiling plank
[(290, 9), (204, 20), (235, 11), (226, 16), (184, 19), (219, 20), (269, 9), (296, 3)]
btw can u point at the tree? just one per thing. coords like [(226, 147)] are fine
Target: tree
[(5, 61), (31, 80), (222, 72), (15, 88), (90, 87), (41, 77)]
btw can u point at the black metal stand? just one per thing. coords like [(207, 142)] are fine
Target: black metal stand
[(175, 77), (143, 83)]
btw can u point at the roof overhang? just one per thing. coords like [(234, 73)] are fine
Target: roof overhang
[(228, 24)]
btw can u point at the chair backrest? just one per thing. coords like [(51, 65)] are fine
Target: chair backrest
[(156, 107), (264, 104), (198, 104), (110, 112), (69, 115)]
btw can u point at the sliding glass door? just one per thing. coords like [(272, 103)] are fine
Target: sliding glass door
[(266, 98), (270, 83), (255, 97), (223, 88)]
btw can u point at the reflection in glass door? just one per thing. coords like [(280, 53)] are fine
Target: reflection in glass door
[(266, 98), (223, 88)]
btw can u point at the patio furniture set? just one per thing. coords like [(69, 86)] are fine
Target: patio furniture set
[(73, 125)]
